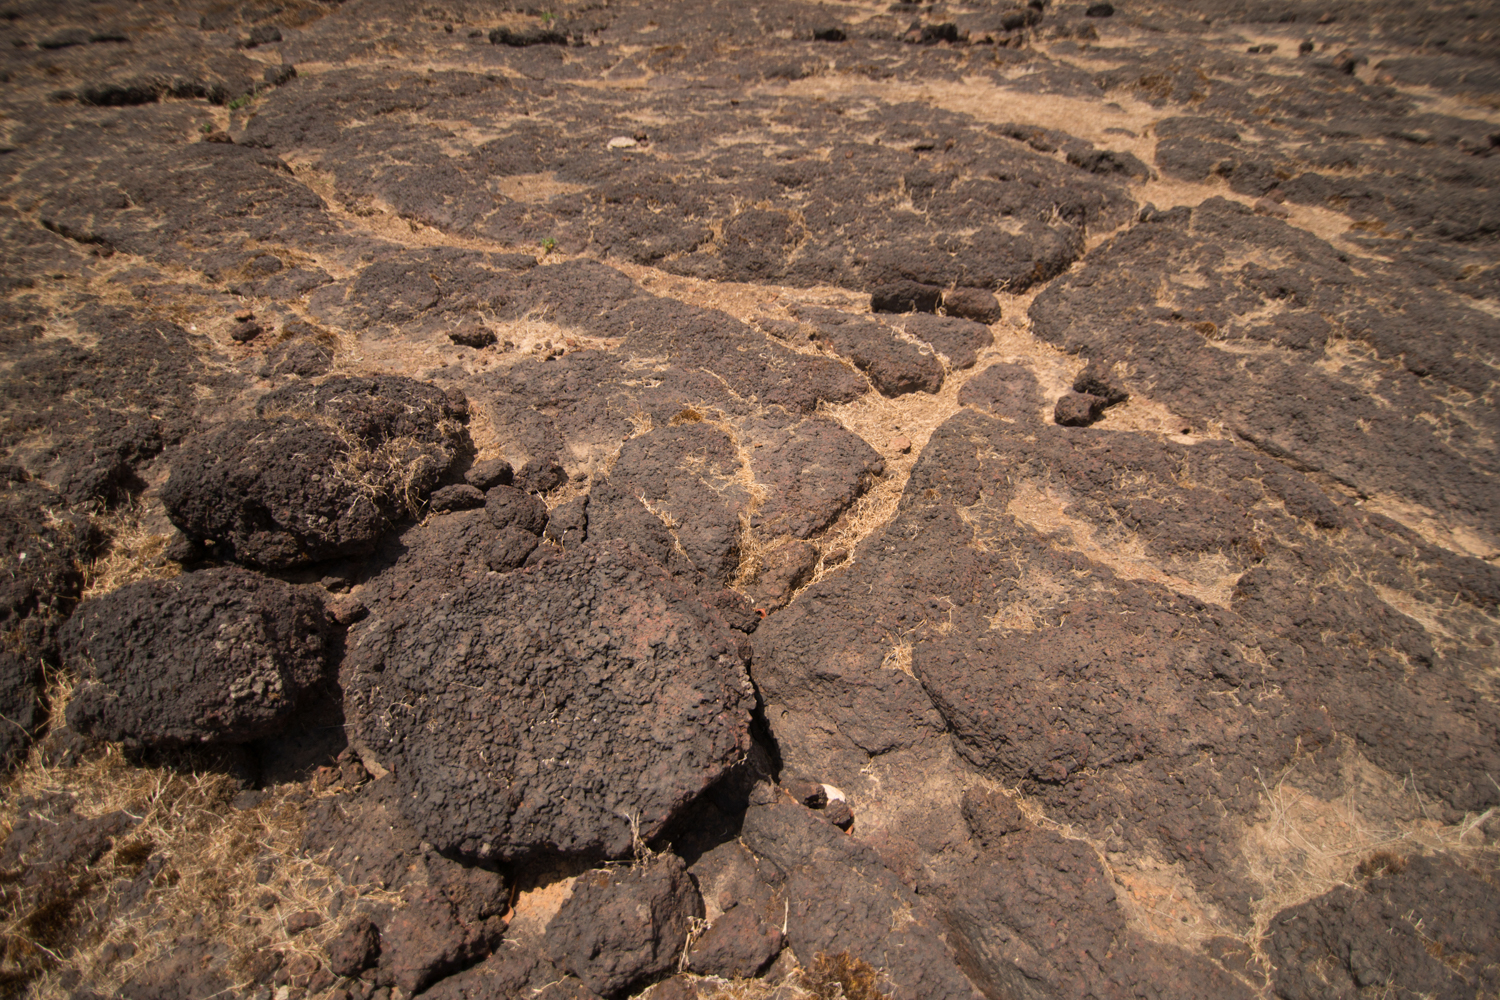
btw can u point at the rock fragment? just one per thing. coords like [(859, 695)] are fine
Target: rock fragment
[(624, 926)]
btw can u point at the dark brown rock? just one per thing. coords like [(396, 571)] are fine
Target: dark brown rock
[(957, 339), (515, 969), (489, 473), (223, 655), (1390, 933), (676, 726), (453, 498), (428, 938), (283, 490), (905, 297), (972, 303), (894, 366), (540, 475), (1078, 409), (839, 898), (624, 926), (739, 945), (473, 336), (1004, 390), (355, 949), (782, 570)]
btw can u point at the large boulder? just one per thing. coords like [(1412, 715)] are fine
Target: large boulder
[(568, 707), (320, 471), (220, 656)]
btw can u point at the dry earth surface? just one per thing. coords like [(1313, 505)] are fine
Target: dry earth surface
[(749, 498)]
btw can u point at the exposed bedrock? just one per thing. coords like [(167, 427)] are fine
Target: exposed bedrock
[(945, 500), (1135, 633)]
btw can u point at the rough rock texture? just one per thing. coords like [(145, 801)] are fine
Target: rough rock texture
[(1050, 665), (1003, 390), (1260, 317), (739, 945), (622, 927), (665, 396), (490, 722), (1423, 926), (321, 471), (220, 656), (841, 898), (513, 970)]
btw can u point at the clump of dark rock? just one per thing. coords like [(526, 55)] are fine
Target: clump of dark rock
[(959, 340), (490, 719), (41, 555), (509, 507), (543, 34), (432, 916), (1392, 933), (904, 297), (1078, 409), (622, 927), (305, 357), (568, 523), (519, 519), (972, 303), (540, 475), (355, 949), (492, 472), (515, 969), (739, 945), (1110, 161), (894, 366), (1096, 380), (430, 937), (991, 816), (473, 336), (262, 34), (245, 330), (1003, 390), (460, 496), (782, 570), (219, 656), (321, 471)]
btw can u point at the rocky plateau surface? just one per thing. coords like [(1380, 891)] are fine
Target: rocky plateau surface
[(763, 499)]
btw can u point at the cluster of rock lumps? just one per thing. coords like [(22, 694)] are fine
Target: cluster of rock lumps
[(533, 686)]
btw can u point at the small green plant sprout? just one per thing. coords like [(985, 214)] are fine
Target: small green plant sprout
[(205, 128), (548, 245), (547, 18), (239, 102)]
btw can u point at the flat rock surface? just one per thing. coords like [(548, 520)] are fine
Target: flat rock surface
[(1003, 495)]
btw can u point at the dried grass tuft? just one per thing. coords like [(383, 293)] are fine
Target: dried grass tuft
[(842, 977), (134, 553), (218, 873)]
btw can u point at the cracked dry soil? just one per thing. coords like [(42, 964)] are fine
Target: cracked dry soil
[(749, 499)]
